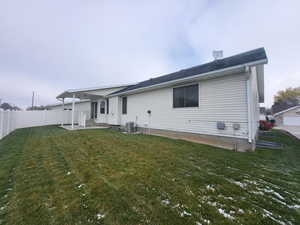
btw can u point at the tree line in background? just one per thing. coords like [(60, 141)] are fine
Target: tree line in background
[(286, 99), (7, 106)]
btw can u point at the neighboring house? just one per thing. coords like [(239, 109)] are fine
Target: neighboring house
[(83, 105), (217, 100), (288, 117)]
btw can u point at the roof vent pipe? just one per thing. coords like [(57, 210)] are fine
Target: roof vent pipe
[(217, 54)]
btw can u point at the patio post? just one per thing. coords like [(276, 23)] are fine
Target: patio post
[(63, 110), (73, 108)]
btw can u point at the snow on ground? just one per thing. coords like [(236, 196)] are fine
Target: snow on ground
[(210, 187), (165, 202), (80, 185), (226, 215), (271, 216), (242, 185), (100, 216), (185, 213), (269, 190)]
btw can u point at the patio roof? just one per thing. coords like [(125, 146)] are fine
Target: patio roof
[(78, 94)]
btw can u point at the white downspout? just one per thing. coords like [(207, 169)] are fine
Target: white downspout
[(249, 111), (73, 108)]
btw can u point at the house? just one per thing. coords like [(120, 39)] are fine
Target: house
[(217, 101), (288, 117)]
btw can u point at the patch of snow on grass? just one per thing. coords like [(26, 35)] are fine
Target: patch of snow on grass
[(212, 203), (185, 213), (294, 206), (251, 182), (242, 185), (100, 216), (271, 216), (176, 206), (226, 215), (241, 211), (165, 202), (257, 192), (68, 173), (268, 190), (227, 198), (80, 185), (210, 187), (206, 221)]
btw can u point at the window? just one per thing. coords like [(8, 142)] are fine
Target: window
[(124, 105), (102, 107), (107, 106), (187, 96)]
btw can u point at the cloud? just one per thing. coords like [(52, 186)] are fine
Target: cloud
[(50, 46)]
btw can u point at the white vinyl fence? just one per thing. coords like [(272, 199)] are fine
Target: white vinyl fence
[(12, 120)]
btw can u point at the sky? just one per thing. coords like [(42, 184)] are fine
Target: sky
[(52, 45)]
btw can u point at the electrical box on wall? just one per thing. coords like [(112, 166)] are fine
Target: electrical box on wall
[(221, 125), (236, 126)]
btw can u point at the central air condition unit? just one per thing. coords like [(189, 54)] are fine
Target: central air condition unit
[(130, 127)]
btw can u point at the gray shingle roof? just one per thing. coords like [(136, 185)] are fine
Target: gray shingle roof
[(243, 58)]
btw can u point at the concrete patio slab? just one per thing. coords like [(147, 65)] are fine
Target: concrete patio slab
[(76, 127)]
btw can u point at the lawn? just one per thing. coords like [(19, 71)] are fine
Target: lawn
[(52, 176)]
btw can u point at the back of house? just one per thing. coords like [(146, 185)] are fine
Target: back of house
[(218, 101)]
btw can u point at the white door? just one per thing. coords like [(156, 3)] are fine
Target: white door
[(102, 115), (291, 120)]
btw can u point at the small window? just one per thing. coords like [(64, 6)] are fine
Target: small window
[(187, 96), (102, 107), (124, 105), (107, 106)]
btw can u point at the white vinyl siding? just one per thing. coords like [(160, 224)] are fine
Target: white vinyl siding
[(113, 117), (220, 99)]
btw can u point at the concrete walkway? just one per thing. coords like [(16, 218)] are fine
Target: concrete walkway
[(76, 127), (294, 130)]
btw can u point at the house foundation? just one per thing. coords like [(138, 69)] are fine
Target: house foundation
[(231, 143)]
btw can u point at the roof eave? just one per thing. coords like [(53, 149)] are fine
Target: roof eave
[(208, 75), (286, 110)]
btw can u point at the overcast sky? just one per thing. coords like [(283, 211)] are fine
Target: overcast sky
[(52, 45)]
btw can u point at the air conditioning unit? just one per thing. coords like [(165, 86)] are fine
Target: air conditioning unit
[(130, 127)]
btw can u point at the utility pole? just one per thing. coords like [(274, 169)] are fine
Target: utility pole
[(32, 101)]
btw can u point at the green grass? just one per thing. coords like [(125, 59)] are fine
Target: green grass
[(52, 176)]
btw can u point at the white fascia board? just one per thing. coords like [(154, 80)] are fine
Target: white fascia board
[(79, 90), (98, 88)]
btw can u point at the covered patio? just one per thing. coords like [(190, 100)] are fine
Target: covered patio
[(82, 116)]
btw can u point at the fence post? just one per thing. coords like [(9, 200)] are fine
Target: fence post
[(8, 122), (1, 123)]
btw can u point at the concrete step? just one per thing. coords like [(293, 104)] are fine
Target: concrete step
[(90, 122)]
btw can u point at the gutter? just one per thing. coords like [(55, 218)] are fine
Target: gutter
[(242, 68)]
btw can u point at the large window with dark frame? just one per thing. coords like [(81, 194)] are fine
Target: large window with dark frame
[(124, 105), (186, 96)]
